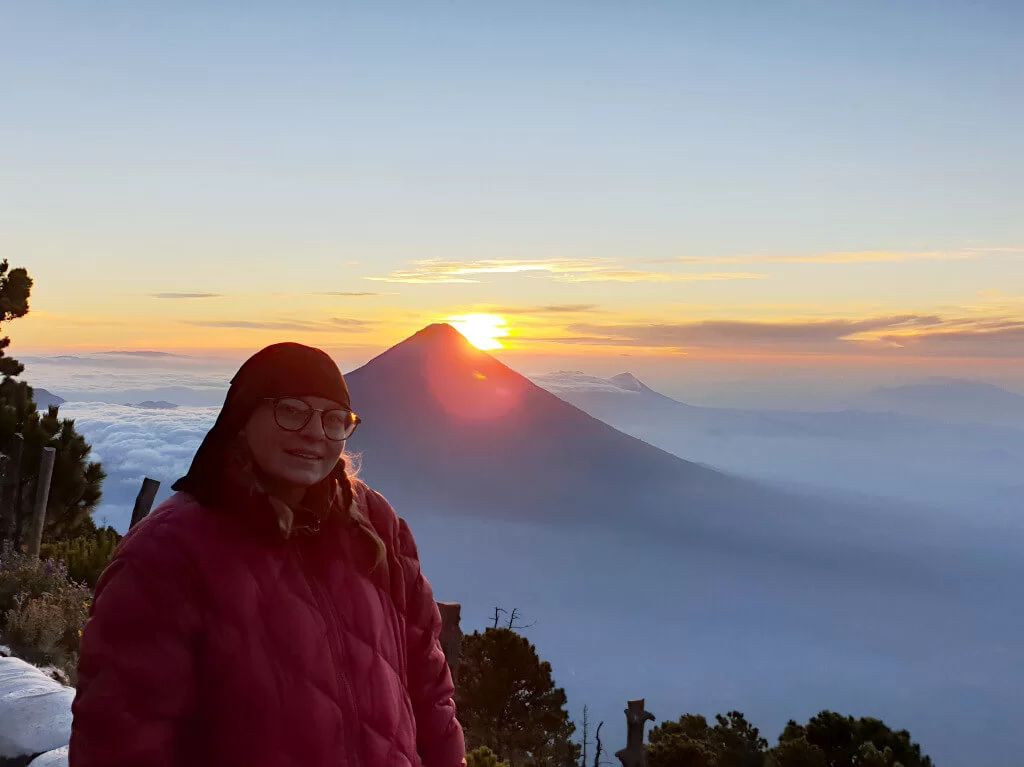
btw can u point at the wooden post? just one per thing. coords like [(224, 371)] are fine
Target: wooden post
[(636, 719), (451, 633), (144, 501), (35, 540), (11, 490)]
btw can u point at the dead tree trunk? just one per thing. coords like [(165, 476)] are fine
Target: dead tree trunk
[(586, 733), (637, 718), (35, 538), (11, 489), (451, 634), (144, 501)]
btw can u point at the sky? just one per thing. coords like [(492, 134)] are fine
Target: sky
[(739, 188)]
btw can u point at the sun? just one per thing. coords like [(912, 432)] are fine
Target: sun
[(481, 330)]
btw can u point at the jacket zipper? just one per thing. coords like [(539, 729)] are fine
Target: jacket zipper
[(334, 641)]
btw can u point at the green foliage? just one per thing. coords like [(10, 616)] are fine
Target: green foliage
[(484, 757), (85, 556), (42, 609), (691, 742), (76, 486), (796, 753), (828, 740), (15, 288), (864, 742), (507, 700)]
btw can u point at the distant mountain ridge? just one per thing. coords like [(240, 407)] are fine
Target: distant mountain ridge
[(917, 458), (154, 405), (44, 399), (951, 399), (618, 399)]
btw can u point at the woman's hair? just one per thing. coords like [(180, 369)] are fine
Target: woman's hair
[(347, 473)]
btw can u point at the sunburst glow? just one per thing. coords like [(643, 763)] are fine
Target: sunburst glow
[(482, 330)]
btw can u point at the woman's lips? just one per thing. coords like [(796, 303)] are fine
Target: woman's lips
[(305, 455)]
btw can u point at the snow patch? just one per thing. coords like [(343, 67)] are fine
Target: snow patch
[(35, 711), (56, 758)]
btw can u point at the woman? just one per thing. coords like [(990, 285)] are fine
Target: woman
[(272, 612)]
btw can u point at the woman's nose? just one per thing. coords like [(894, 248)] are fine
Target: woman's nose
[(314, 429)]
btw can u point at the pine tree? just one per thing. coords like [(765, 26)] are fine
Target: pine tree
[(76, 485), (843, 741), (507, 701), (691, 742)]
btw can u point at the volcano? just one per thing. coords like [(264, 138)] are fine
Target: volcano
[(449, 429)]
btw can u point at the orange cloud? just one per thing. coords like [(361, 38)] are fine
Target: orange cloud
[(921, 334), (634, 275), (186, 295), (334, 324), (564, 270)]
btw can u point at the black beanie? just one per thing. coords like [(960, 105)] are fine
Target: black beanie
[(280, 370)]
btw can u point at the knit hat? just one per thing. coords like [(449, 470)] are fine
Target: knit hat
[(280, 370)]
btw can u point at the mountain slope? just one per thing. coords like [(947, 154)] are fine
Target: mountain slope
[(875, 452), (451, 429)]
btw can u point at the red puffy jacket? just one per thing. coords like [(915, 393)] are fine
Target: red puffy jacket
[(216, 641)]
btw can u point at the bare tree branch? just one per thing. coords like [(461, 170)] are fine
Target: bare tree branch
[(586, 733), (513, 617)]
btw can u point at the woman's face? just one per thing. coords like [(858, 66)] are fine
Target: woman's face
[(294, 459)]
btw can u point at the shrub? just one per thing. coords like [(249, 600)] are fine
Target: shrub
[(86, 556), (42, 610)]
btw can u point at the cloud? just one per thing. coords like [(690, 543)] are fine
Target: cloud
[(574, 270), (866, 257), (735, 332), (186, 295), (843, 257), (997, 250), (1002, 338), (441, 271), (548, 309), (635, 275), (577, 270), (923, 334), (133, 444), (120, 379), (574, 381), (301, 326), (351, 324), (146, 354), (353, 294)]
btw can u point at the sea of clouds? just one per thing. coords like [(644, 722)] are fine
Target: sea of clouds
[(134, 443)]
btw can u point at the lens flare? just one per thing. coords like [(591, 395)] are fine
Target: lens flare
[(481, 330)]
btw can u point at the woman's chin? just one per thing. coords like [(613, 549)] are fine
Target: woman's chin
[(297, 477)]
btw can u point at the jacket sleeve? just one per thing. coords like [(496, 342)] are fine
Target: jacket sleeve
[(439, 735), (136, 668)]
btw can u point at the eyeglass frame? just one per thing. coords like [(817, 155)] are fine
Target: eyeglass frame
[(356, 420)]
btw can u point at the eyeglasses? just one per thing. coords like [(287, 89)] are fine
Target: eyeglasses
[(293, 414)]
